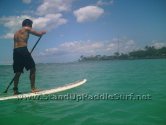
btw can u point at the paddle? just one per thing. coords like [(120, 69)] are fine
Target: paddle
[(14, 76)]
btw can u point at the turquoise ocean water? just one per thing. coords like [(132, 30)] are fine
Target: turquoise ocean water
[(128, 92)]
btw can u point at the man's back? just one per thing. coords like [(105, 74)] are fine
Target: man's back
[(21, 38)]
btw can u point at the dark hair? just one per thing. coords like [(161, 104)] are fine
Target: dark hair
[(27, 22)]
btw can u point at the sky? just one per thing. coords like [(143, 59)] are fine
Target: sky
[(83, 27)]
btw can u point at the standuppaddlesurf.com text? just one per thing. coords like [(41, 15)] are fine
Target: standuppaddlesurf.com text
[(89, 97)]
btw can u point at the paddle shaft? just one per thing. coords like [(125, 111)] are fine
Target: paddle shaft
[(14, 76), (35, 44)]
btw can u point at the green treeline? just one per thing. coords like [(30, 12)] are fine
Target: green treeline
[(149, 52)]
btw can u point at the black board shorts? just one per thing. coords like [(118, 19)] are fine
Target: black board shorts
[(22, 58)]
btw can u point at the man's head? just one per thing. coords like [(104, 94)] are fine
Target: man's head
[(27, 22)]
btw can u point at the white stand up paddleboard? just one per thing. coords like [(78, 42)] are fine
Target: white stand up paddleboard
[(46, 92)]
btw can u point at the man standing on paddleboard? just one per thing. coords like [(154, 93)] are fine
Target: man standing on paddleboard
[(21, 56)]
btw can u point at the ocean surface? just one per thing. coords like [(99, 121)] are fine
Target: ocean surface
[(124, 92)]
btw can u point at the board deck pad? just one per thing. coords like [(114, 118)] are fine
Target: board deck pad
[(46, 92)]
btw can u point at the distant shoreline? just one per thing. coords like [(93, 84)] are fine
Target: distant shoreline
[(121, 59), (149, 52), (89, 61)]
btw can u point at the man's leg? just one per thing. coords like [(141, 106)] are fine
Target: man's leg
[(16, 80), (32, 79)]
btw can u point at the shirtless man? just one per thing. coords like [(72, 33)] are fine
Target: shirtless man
[(21, 56)]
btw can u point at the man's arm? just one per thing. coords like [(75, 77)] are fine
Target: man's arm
[(34, 32)]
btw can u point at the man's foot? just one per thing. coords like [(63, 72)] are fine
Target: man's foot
[(16, 92), (35, 90)]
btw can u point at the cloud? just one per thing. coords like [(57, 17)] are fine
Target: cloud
[(158, 44), (72, 50), (7, 36), (54, 6), (47, 22), (26, 1), (75, 47), (78, 48), (102, 2), (88, 13), (49, 17), (12, 23), (122, 45)]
